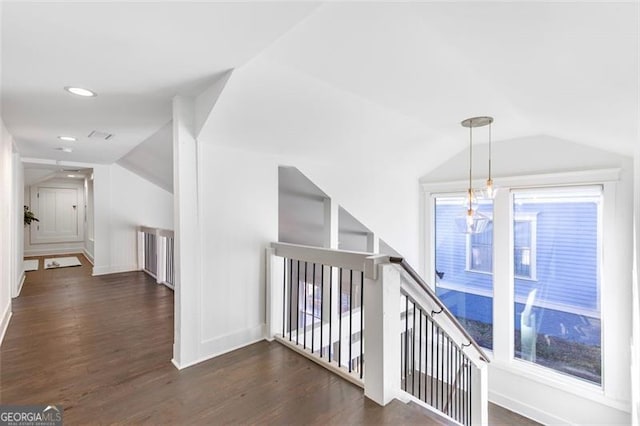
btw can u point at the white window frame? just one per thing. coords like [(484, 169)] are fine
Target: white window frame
[(532, 218), (613, 391), (468, 259)]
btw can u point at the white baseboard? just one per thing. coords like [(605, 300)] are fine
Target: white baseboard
[(223, 344), (4, 321), (88, 256), (52, 251), (116, 269), (526, 410), (22, 278)]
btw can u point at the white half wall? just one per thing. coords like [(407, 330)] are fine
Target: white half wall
[(123, 201)]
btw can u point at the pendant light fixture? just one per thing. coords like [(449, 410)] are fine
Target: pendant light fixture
[(474, 221)]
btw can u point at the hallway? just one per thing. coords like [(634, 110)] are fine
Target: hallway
[(101, 347)]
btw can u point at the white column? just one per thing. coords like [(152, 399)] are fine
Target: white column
[(161, 253), (330, 223), (275, 307), (479, 396), (382, 333), (331, 215), (140, 250), (186, 228)]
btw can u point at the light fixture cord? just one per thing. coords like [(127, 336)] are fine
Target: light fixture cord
[(489, 151), (470, 159)]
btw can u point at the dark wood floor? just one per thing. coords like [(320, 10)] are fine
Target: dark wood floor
[(101, 347)]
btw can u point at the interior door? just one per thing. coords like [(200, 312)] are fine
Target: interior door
[(58, 211)]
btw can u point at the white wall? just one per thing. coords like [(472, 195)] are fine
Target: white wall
[(122, 202), (635, 370), (6, 225), (522, 390), (239, 219), (7, 230), (18, 223), (269, 116)]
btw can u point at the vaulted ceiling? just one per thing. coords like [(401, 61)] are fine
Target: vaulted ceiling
[(569, 70)]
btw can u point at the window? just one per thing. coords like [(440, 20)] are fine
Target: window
[(557, 321), (480, 251), (524, 246), (458, 257), (480, 248)]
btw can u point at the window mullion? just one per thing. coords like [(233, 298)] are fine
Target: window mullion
[(503, 277)]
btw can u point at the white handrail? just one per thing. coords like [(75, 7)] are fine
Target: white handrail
[(339, 258)]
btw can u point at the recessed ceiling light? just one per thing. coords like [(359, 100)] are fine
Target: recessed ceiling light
[(64, 149), (67, 138), (71, 176), (80, 91)]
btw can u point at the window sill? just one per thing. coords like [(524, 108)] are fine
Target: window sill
[(559, 381)]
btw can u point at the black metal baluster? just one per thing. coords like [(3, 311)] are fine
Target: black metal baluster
[(426, 354), (340, 318), (442, 372), (406, 341), (284, 295), (350, 316), (361, 323), (466, 393), (450, 393), (419, 353), (290, 295), (330, 310), (413, 351), (298, 304), (459, 389), (456, 383), (441, 365), (432, 363), (322, 309), (313, 307), (470, 386), (437, 363), (304, 317)]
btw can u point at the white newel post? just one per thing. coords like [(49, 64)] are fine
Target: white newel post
[(140, 250), (479, 396), (161, 253), (381, 331), (274, 291)]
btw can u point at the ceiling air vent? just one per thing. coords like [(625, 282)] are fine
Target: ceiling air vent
[(100, 135)]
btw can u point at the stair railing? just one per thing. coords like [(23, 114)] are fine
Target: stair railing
[(156, 254), (375, 322)]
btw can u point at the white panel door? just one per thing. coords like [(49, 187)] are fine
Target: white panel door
[(58, 211)]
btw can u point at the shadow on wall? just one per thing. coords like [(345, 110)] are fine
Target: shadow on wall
[(301, 217)]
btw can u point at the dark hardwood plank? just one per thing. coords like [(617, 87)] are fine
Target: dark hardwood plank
[(101, 347)]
